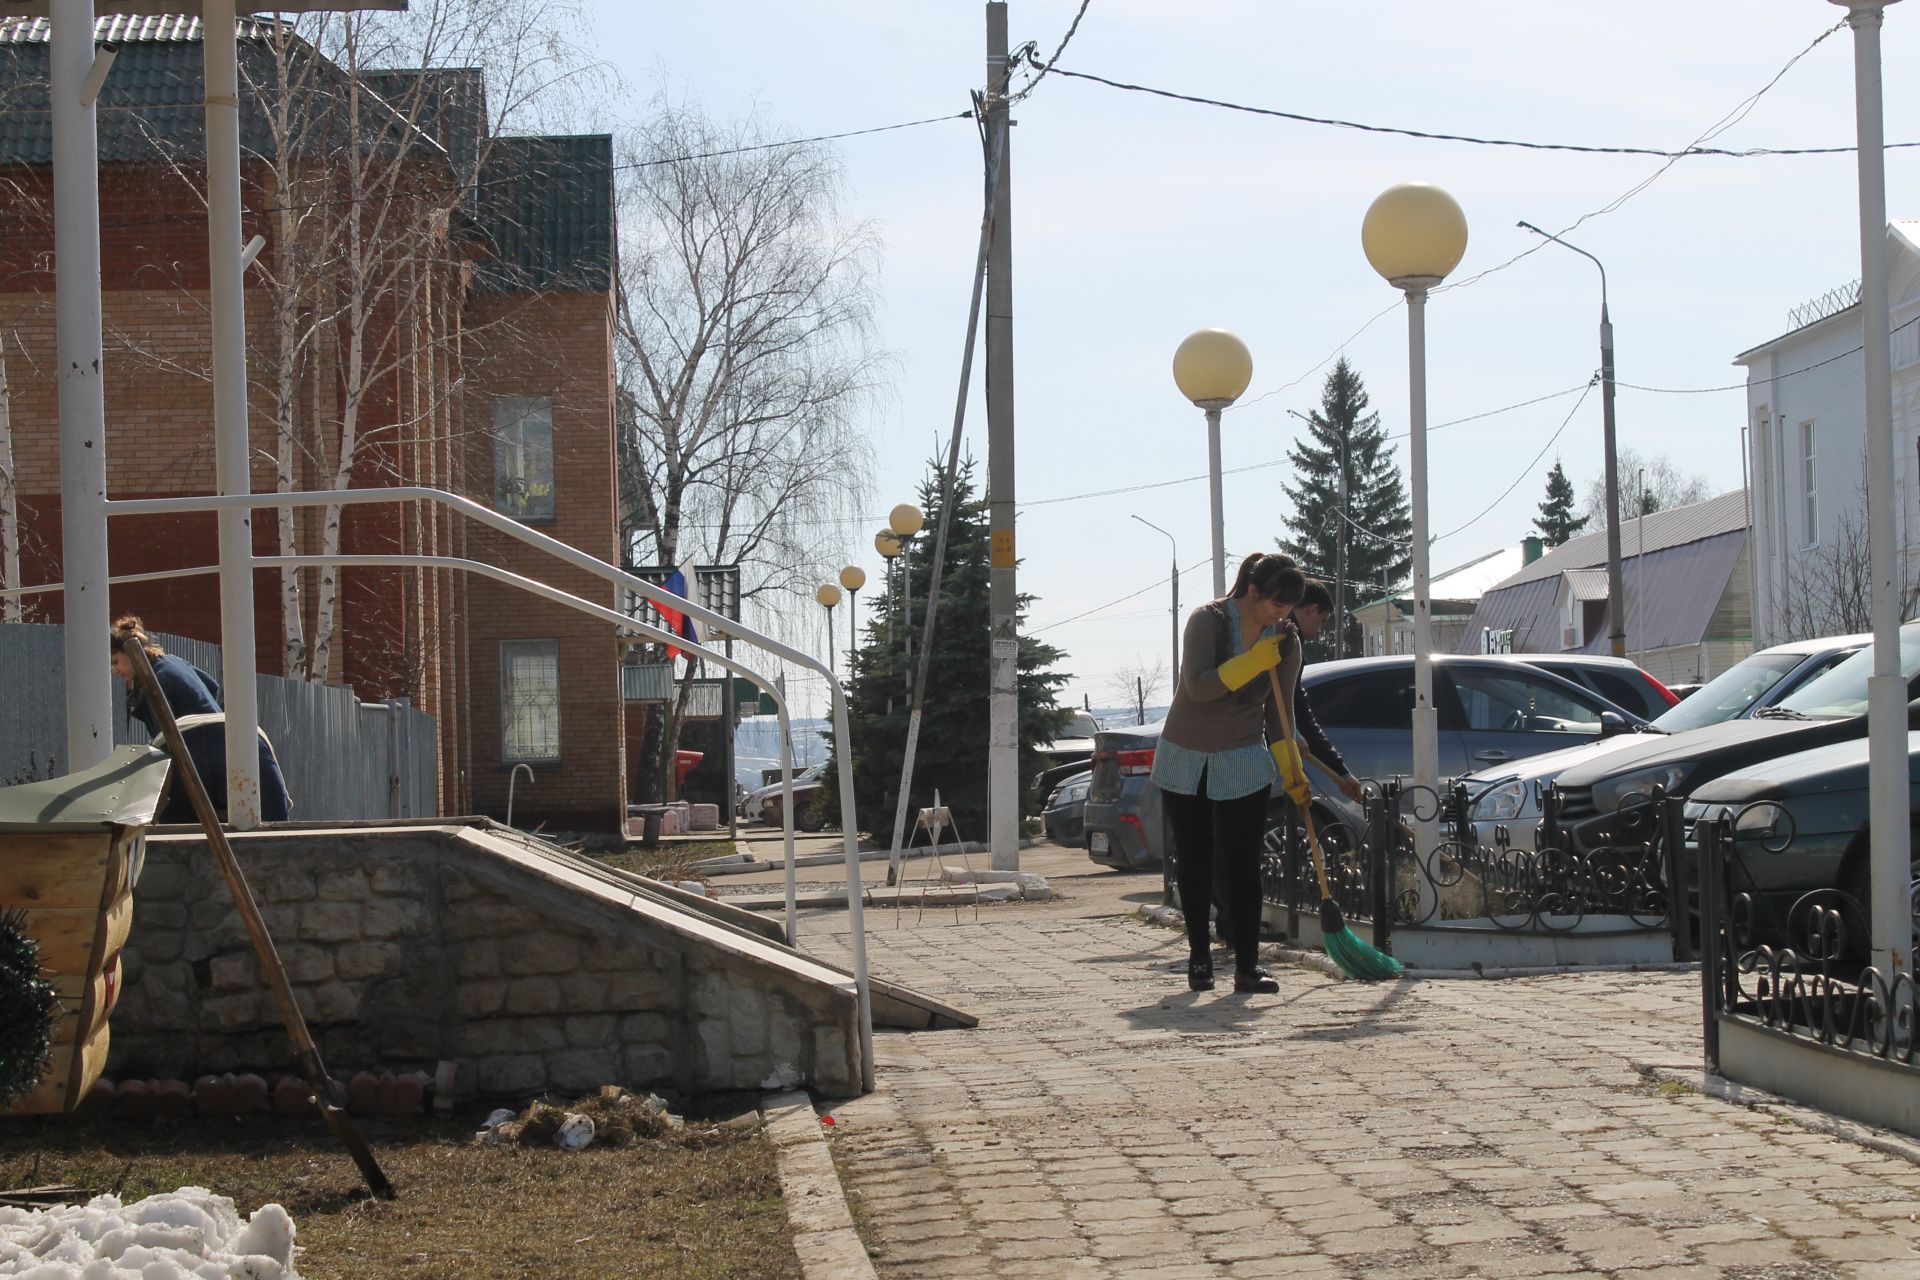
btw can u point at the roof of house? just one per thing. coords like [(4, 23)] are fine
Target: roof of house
[(544, 205), (547, 203), (1463, 584), (153, 100), (1654, 532), (1678, 565)]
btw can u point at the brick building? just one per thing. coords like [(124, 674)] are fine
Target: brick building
[(433, 306)]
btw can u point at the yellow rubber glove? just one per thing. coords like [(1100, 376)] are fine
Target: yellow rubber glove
[(1293, 775), (1262, 657)]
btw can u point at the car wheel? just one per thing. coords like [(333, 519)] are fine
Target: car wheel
[(1858, 886), (809, 818)]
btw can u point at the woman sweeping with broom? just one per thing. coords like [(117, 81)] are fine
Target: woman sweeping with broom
[(1214, 765)]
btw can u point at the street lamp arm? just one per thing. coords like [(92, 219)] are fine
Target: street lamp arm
[(1162, 532), (1582, 252)]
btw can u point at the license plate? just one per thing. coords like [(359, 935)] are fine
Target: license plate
[(1097, 841)]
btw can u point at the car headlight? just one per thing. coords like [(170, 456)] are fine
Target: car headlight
[(1637, 787), (1502, 802)]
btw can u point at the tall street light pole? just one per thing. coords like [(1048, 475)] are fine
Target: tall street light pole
[(853, 577), (1616, 590), (1890, 915), (1413, 235), (1212, 368), (1173, 644), (828, 595)]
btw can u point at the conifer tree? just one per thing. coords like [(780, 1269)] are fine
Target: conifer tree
[(1377, 530), (952, 750), (1556, 521)]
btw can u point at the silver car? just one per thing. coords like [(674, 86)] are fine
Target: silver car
[(1511, 796)]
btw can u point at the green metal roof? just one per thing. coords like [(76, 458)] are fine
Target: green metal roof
[(121, 791), (547, 206)]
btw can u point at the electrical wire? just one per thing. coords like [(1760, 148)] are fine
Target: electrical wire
[(1527, 471), (1761, 382), (1471, 139), (1028, 51)]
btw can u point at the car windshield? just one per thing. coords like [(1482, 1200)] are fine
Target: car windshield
[(1730, 693), (1842, 691)]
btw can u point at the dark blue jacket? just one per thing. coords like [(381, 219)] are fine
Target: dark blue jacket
[(192, 692), (1318, 744)]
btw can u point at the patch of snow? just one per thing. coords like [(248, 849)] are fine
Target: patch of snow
[(188, 1234)]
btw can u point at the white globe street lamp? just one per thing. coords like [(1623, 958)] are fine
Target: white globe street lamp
[(828, 595), (853, 577), (1212, 368), (1414, 234)]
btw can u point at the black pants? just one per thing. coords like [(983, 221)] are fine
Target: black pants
[(1219, 840)]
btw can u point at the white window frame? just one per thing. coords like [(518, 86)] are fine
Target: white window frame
[(1810, 494), (522, 743), (519, 423)]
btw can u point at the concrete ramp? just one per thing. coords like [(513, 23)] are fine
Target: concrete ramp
[(532, 968)]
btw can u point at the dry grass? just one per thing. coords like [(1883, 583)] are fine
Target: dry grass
[(671, 861), (700, 1210)]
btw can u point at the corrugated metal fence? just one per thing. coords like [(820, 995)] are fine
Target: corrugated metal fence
[(344, 759)]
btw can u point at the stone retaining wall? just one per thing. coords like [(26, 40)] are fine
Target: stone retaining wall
[(408, 946)]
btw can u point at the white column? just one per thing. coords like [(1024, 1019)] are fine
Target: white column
[(1892, 924), (1215, 500), (83, 419), (1426, 721), (232, 455)]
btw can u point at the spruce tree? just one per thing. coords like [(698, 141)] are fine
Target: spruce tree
[(1379, 525), (1556, 521), (952, 750)]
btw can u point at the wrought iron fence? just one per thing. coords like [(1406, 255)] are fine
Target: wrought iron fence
[(1379, 873), (1788, 958)]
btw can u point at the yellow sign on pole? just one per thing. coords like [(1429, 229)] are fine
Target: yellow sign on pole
[(1003, 549)]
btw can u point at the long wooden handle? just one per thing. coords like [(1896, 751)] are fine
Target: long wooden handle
[(1306, 810), (306, 1053)]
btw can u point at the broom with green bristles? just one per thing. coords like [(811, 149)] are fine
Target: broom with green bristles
[(1355, 958)]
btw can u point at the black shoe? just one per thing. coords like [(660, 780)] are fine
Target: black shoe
[(1256, 980), (1200, 975)]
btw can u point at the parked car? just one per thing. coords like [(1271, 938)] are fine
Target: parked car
[(1065, 814), (1510, 795), (1618, 680), (1597, 798), (1491, 709), (764, 803), (1808, 841)]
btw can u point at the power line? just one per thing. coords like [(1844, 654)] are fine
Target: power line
[(1761, 382), (1470, 139), (1029, 51), (1527, 471), (1087, 613)]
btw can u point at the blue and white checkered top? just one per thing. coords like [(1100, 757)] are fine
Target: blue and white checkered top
[(1231, 774)]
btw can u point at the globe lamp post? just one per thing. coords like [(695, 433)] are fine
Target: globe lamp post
[(1212, 368), (1413, 235), (853, 577), (828, 595)]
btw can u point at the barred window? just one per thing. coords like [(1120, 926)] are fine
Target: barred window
[(523, 457), (529, 700)]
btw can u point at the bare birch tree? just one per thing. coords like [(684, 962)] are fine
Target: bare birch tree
[(743, 330)]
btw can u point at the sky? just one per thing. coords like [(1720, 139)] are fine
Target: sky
[(1137, 219)]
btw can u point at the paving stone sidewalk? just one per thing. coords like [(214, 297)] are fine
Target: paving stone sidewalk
[(1103, 1121)]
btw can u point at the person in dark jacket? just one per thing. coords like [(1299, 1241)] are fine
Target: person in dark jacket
[(1309, 616), (192, 692), (1220, 753)]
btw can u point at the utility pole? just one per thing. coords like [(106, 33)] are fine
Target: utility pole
[(1616, 597), (1003, 697)]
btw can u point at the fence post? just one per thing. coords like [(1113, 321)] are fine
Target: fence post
[(1383, 829), (1673, 830), (1709, 833)]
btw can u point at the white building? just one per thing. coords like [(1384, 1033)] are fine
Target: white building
[(1806, 456), (1387, 623)]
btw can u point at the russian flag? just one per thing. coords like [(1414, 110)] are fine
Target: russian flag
[(677, 622)]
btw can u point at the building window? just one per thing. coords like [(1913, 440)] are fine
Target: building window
[(1811, 494), (523, 457), (529, 700)]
